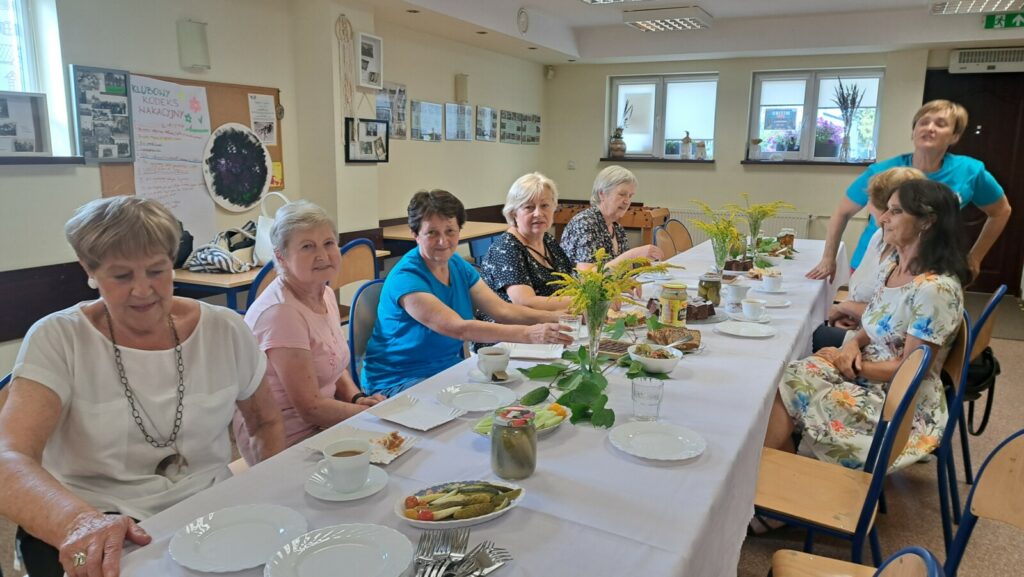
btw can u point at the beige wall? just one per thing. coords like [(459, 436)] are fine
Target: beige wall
[(576, 101)]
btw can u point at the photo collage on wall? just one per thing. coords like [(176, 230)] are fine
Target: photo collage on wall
[(103, 125), (391, 108)]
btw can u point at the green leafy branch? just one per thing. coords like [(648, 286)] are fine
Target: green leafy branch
[(580, 390)]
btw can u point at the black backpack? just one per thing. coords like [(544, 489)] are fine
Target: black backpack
[(184, 246), (981, 377)]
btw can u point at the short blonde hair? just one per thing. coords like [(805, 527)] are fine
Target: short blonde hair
[(882, 185), (297, 216), (523, 190), (124, 227), (956, 112), (608, 179)]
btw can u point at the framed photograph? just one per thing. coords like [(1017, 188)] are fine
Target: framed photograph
[(427, 120), (486, 124), (370, 61), (102, 114), (24, 127), (391, 106), (366, 140), (458, 121), (510, 127)]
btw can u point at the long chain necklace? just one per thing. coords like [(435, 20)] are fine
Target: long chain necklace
[(173, 466)]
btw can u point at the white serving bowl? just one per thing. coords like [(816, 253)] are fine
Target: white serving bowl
[(657, 365), (774, 260)]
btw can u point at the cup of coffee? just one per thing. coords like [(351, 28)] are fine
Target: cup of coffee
[(734, 293), (491, 359), (771, 283), (754, 309), (348, 464)]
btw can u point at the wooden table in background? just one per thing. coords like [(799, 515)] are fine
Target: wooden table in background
[(479, 235), (643, 217)]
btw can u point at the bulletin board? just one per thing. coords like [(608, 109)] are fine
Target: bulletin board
[(227, 103)]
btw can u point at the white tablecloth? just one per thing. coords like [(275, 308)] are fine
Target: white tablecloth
[(589, 508)]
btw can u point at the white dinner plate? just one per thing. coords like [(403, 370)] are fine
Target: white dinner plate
[(536, 352), (657, 440), (768, 292), (456, 523), (718, 317), (748, 330), (514, 377), (319, 484), (740, 317), (777, 303), (343, 550), (235, 538), (475, 397)]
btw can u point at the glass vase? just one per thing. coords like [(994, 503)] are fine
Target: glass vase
[(844, 149), (596, 314), (721, 250), (755, 233)]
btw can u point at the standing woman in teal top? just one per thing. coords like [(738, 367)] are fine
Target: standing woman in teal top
[(427, 305), (937, 125)]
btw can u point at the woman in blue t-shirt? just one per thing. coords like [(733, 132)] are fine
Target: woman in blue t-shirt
[(428, 300), (937, 125)]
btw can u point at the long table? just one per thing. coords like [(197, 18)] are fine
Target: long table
[(589, 509)]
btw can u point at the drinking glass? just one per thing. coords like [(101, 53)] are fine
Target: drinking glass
[(647, 395), (573, 322)]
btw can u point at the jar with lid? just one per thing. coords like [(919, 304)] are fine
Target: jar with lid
[(513, 443), (786, 237), (673, 303), (710, 288)]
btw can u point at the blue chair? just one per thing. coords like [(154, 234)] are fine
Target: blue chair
[(361, 320), (980, 337), (5, 381), (907, 562), (996, 495), (260, 283), (831, 499), (954, 377)]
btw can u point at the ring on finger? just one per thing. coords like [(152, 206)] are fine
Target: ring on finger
[(78, 559)]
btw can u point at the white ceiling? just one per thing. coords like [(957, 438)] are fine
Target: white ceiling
[(563, 31)]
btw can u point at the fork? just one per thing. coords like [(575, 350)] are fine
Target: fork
[(459, 542), (442, 548), (480, 560), (424, 551)]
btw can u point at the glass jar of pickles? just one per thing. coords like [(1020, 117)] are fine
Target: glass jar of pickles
[(710, 288), (513, 443), (786, 237), (673, 303)]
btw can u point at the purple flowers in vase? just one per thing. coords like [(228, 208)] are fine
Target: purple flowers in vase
[(827, 138)]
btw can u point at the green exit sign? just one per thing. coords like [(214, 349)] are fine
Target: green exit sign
[(1005, 20)]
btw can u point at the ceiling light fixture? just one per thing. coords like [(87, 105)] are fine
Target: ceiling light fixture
[(481, 32), (956, 7), (413, 11), (668, 19)]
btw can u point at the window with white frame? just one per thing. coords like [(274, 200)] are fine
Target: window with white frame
[(656, 113), (796, 115), (30, 61)]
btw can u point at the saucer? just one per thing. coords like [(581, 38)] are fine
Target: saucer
[(766, 291), (765, 318), (514, 376), (319, 485), (777, 303)]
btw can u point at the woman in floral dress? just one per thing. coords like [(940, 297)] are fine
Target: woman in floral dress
[(835, 397)]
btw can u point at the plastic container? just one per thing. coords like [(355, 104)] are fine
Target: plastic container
[(673, 301)]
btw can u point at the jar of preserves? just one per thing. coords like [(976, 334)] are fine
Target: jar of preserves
[(786, 237), (710, 288), (513, 443), (673, 303)]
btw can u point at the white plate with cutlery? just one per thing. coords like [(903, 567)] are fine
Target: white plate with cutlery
[(415, 413), (357, 549), (235, 538), (475, 397)]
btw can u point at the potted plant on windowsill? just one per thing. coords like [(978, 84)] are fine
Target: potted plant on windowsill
[(847, 99), (827, 138)]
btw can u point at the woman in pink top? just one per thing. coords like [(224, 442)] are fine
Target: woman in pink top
[(297, 324)]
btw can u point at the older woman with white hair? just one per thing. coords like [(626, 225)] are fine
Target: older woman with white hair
[(298, 325), (598, 226), (522, 261), (119, 407)]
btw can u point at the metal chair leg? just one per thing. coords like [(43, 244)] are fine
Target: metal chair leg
[(954, 488), (809, 541), (943, 480), (882, 507), (876, 547)]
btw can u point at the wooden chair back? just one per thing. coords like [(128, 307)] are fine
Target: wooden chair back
[(911, 371), (259, 284), (358, 263), (911, 562), (680, 235), (956, 359), (986, 323), (663, 241)]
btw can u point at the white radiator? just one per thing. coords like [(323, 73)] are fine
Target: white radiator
[(797, 221)]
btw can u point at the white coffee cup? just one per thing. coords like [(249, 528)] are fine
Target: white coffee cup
[(348, 464), (754, 309), (771, 283), (491, 359)]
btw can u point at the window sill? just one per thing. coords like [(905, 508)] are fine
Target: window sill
[(806, 163), (30, 160), (650, 159)]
